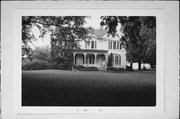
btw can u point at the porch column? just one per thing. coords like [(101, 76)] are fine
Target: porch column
[(74, 58), (84, 54), (95, 55), (106, 57)]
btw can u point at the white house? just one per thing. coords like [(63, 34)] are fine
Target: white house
[(94, 50)]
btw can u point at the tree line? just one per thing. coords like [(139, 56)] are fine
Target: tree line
[(66, 31), (139, 36)]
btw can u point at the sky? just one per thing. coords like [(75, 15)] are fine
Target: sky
[(94, 22)]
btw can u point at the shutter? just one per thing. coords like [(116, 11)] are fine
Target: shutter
[(95, 44), (119, 59), (117, 44), (114, 45), (92, 44), (85, 44), (110, 45)]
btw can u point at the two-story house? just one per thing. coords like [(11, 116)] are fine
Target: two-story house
[(94, 50)]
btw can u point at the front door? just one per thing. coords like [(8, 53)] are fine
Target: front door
[(91, 59)]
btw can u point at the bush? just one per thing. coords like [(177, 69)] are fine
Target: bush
[(83, 68), (54, 66), (62, 66), (65, 66), (36, 65), (110, 60), (115, 69), (128, 68), (92, 69), (121, 69), (80, 67)]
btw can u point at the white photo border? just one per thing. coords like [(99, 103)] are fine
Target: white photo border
[(158, 13), (13, 55)]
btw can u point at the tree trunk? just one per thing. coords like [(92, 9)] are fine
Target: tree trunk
[(131, 65), (139, 65)]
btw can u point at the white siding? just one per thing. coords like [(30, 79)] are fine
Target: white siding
[(102, 44)]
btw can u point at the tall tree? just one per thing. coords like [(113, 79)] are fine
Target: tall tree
[(139, 36), (65, 31)]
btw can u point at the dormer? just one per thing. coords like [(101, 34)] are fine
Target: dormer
[(93, 37)]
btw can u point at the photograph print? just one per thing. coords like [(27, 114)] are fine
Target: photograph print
[(88, 60)]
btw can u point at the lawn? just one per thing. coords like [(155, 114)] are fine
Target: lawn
[(92, 88)]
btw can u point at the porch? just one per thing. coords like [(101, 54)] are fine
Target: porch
[(90, 58)]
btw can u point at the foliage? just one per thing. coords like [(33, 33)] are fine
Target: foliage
[(42, 53), (114, 69), (110, 60), (83, 68), (139, 35), (128, 68), (36, 65), (62, 66), (65, 31)]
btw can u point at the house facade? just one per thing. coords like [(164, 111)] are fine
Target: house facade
[(94, 50)]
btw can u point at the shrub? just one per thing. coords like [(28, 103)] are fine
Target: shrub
[(83, 68), (121, 69), (36, 65), (115, 69), (144, 68), (68, 65), (80, 67), (92, 69), (110, 61), (54, 66), (65, 66), (62, 66), (128, 68)]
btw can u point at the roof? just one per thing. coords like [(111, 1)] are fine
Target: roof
[(99, 33)]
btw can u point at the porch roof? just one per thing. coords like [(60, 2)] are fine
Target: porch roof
[(90, 50)]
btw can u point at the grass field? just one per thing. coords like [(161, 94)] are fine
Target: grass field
[(68, 88)]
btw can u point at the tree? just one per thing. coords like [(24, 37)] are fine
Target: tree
[(42, 53), (139, 36), (149, 36), (65, 32), (110, 61)]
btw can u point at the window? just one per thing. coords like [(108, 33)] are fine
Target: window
[(93, 44), (111, 45), (119, 60), (114, 45), (116, 60), (87, 44)]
